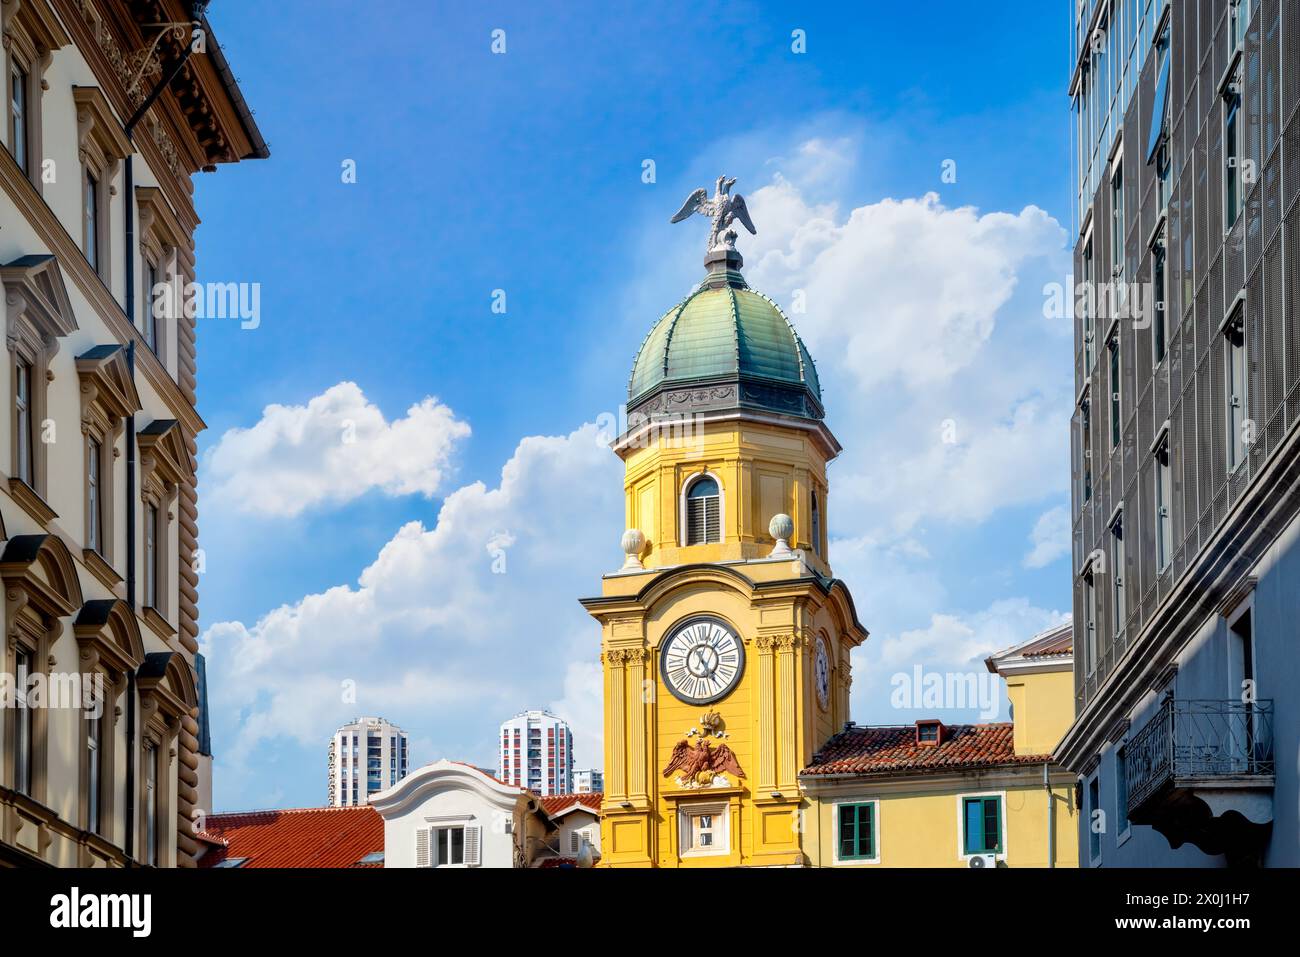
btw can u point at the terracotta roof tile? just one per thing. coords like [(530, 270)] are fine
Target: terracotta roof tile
[(555, 803), (300, 837), (1058, 642), (887, 750)]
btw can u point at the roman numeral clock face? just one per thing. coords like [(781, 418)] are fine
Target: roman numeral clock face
[(702, 660)]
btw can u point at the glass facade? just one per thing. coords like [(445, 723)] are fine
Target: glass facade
[(1187, 173), (1111, 44)]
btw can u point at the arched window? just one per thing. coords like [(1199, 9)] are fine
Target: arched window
[(816, 526), (703, 512)]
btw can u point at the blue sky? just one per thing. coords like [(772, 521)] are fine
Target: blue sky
[(522, 172)]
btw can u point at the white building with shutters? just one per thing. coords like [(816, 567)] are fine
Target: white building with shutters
[(449, 814)]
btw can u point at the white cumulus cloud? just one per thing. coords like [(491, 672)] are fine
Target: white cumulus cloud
[(332, 450), (1050, 537), (448, 631)]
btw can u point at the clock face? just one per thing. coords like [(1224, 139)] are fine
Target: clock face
[(822, 674), (702, 660)]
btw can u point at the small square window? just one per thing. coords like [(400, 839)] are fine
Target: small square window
[(704, 830)]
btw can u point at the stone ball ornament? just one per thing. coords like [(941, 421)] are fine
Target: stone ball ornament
[(633, 544), (781, 528)]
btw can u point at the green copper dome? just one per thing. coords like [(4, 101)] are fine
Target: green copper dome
[(722, 335)]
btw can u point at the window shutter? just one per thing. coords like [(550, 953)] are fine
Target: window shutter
[(422, 847), (472, 846), (694, 521), (712, 520), (575, 842)]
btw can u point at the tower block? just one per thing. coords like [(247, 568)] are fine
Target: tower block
[(725, 637)]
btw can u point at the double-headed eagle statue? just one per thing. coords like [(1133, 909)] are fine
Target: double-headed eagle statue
[(723, 210)]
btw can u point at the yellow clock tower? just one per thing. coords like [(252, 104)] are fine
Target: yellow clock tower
[(725, 638)]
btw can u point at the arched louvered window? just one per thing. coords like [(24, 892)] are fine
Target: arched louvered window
[(703, 512)]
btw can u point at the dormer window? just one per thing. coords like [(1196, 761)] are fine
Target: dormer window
[(703, 512), (929, 733)]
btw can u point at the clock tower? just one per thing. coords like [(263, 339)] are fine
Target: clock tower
[(725, 637)]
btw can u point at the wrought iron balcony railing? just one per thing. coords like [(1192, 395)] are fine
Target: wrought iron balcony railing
[(1199, 741)]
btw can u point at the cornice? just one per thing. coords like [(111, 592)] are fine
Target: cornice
[(104, 54)]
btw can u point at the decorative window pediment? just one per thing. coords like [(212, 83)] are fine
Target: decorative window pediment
[(166, 686), (32, 27), (160, 230), (39, 578), (101, 141), (107, 393), (108, 636), (164, 462), (37, 308)]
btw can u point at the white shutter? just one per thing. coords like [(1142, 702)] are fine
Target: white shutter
[(575, 842), (472, 846), (422, 847)]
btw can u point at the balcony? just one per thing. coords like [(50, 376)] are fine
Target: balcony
[(1201, 772)]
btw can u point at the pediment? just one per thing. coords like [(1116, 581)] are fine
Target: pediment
[(106, 380), (157, 218), (34, 290), (42, 567), (35, 26), (99, 134), (166, 683), (163, 451), (106, 628)]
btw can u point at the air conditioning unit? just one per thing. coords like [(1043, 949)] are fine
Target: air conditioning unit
[(983, 860)]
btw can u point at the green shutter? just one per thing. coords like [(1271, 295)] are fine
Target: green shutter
[(974, 831), (857, 837), (992, 826), (848, 828), (866, 833)]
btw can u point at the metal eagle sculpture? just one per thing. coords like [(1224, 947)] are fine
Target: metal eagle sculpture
[(723, 210)]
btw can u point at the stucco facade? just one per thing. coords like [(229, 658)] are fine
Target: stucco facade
[(98, 504), (448, 814)]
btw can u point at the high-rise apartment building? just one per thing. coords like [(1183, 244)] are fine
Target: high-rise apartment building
[(109, 110), (1186, 450), (537, 753), (365, 757), (588, 781)]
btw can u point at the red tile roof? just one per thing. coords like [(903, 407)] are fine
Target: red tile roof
[(555, 803), (1058, 641), (888, 750), (301, 837)]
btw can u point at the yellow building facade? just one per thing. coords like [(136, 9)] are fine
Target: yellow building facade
[(978, 795), (725, 639)]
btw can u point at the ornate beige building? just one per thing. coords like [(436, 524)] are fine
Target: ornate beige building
[(109, 109)]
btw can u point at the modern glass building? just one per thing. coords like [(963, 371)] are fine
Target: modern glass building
[(1186, 451)]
